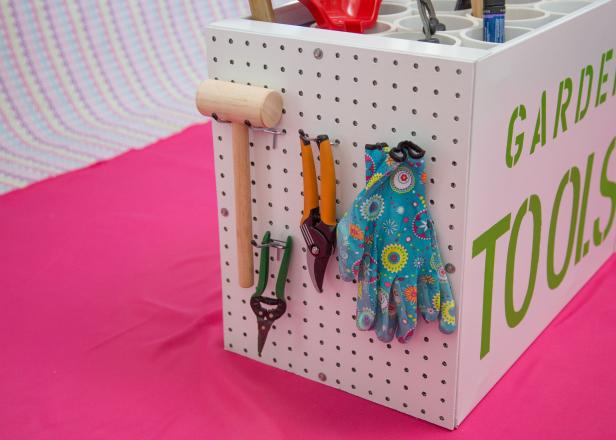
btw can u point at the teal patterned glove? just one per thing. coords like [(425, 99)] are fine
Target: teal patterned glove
[(387, 244)]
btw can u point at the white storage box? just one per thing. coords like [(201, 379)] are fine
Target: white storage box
[(522, 169)]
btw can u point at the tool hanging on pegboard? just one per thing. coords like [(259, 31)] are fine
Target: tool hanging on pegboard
[(387, 244), (244, 107), (277, 305), (318, 224)]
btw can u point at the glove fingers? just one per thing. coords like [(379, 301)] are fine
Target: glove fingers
[(447, 319), (385, 323), (429, 293), (345, 249), (366, 305), (405, 296), (447, 306)]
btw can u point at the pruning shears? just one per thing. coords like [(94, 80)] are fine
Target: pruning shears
[(318, 223), (277, 305)]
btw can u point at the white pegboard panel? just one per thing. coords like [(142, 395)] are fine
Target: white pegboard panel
[(356, 95)]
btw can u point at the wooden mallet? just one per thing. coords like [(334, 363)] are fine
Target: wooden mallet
[(245, 107)]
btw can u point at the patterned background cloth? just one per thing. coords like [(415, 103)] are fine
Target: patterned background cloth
[(85, 80)]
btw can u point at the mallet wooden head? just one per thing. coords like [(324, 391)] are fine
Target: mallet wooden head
[(239, 103)]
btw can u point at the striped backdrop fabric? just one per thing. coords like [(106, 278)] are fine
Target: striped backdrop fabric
[(85, 80)]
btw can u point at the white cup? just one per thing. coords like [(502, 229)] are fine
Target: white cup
[(390, 12), (474, 37), (380, 27), (562, 7), (528, 17), (444, 39), (443, 7), (521, 2), (452, 23)]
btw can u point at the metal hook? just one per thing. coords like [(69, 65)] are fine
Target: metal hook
[(307, 138), (279, 245), (273, 131)]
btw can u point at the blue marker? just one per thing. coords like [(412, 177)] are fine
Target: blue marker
[(494, 21)]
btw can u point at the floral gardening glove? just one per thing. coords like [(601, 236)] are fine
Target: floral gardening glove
[(386, 242)]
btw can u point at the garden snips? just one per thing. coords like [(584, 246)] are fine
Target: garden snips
[(277, 304), (318, 224)]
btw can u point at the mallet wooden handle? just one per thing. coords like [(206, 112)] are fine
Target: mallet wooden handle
[(243, 207)]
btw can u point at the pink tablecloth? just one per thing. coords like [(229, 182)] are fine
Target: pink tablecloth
[(110, 327)]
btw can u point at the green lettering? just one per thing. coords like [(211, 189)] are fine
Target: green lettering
[(614, 86), (579, 112), (603, 77), (608, 190), (512, 159), (532, 204), (539, 125), (579, 252), (571, 176), (487, 242), (561, 107)]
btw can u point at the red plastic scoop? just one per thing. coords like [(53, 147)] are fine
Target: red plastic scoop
[(344, 15)]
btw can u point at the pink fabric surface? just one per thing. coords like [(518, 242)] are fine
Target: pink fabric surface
[(110, 327)]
